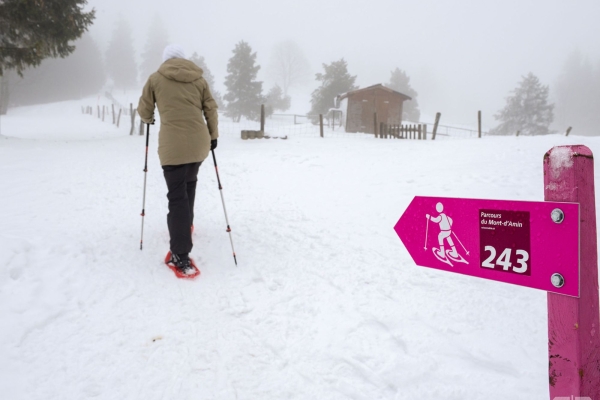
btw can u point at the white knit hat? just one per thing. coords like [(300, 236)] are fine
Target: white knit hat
[(173, 51)]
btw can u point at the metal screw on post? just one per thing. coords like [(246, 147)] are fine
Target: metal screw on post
[(557, 280), (557, 215)]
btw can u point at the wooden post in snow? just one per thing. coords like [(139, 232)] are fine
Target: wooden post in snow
[(375, 124), (568, 131), (113, 113), (574, 323), (321, 124), (132, 114), (479, 124), (119, 117), (262, 117), (435, 125)]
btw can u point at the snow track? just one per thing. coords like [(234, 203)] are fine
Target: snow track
[(325, 303)]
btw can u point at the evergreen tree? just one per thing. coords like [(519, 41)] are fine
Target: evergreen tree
[(578, 96), (335, 81), (32, 30), (157, 40), (120, 57), (527, 110), (78, 75), (210, 79), (244, 93), (400, 82), (276, 100)]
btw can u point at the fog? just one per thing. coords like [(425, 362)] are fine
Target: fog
[(462, 56)]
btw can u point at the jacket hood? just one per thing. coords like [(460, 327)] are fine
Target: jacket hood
[(180, 70)]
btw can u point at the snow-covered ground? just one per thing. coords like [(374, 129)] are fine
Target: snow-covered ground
[(325, 303)]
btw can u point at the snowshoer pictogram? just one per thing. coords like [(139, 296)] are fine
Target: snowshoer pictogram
[(445, 236)]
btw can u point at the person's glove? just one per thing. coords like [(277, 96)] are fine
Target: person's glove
[(213, 144)]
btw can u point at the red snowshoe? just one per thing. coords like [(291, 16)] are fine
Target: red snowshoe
[(184, 269)]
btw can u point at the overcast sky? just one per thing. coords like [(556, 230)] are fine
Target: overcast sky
[(461, 55)]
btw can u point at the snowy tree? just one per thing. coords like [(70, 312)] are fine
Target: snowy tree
[(78, 75), (527, 110), (120, 57), (244, 92), (208, 76), (400, 82), (288, 65), (276, 100), (157, 40), (578, 96), (336, 80), (32, 30)]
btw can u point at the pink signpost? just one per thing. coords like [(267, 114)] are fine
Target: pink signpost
[(548, 245), (574, 323)]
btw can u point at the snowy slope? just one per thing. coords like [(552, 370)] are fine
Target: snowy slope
[(325, 304)]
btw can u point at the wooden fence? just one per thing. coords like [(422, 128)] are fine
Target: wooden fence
[(414, 131), (103, 111)]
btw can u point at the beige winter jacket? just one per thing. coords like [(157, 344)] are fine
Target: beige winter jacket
[(181, 95)]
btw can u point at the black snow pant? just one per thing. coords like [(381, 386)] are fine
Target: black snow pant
[(181, 182)]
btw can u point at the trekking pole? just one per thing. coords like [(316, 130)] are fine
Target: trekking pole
[(463, 246), (224, 210), (145, 175)]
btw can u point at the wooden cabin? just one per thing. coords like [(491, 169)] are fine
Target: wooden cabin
[(358, 108)]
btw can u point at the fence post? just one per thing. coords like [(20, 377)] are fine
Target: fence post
[(479, 124), (333, 120), (568, 131), (113, 112), (424, 131), (321, 124), (419, 129), (518, 133), (294, 119), (435, 125), (132, 114), (573, 323), (103, 111), (262, 117), (375, 124), (98, 111), (119, 117), (141, 127)]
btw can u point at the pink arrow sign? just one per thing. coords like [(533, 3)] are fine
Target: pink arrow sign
[(532, 244)]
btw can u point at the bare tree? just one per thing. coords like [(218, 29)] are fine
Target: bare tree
[(288, 65)]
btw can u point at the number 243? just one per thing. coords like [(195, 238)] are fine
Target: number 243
[(504, 260)]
